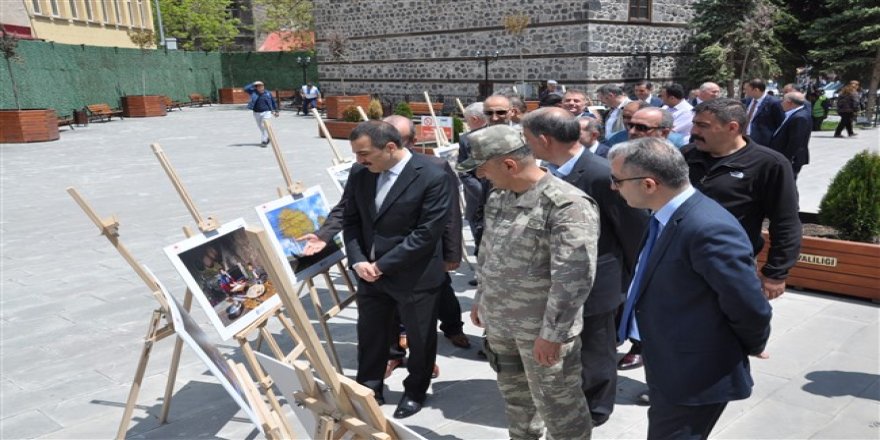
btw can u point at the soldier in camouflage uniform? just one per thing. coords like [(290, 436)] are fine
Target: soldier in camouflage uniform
[(536, 268)]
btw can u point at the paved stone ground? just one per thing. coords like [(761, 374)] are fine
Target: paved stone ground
[(73, 314)]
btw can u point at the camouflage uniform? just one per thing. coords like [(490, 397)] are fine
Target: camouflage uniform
[(536, 268)]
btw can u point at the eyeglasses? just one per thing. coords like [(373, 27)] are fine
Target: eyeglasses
[(642, 127), (491, 113), (615, 182)]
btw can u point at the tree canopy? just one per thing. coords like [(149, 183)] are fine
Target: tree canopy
[(735, 39), (200, 24), (293, 18)]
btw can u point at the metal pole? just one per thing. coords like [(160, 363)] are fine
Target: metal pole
[(648, 56), (161, 27)]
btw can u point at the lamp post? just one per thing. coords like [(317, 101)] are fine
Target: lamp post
[(485, 85), (640, 50), (303, 63)]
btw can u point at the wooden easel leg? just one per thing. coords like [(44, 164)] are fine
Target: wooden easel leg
[(264, 381), (139, 374), (175, 362), (345, 276), (316, 302)]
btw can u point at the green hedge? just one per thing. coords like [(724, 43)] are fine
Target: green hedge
[(66, 77)]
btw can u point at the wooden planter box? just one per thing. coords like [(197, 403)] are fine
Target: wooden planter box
[(31, 125), (532, 105), (421, 108), (231, 95), (337, 104), (835, 266), (143, 106), (338, 129)]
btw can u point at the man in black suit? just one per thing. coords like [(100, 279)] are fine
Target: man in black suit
[(792, 138), (695, 296), (553, 135), (643, 91), (392, 225), (764, 112)]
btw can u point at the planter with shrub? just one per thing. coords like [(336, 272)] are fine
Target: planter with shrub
[(848, 263)]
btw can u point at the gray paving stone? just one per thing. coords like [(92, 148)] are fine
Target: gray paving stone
[(772, 419), (857, 421), (27, 425)]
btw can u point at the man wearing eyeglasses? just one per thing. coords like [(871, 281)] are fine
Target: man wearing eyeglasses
[(497, 109), (695, 296), (552, 134), (645, 123)]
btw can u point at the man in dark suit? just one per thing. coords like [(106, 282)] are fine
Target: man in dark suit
[(552, 134), (392, 226), (695, 296), (643, 91), (792, 138), (764, 112)]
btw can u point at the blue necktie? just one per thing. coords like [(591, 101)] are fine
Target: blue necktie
[(627, 317)]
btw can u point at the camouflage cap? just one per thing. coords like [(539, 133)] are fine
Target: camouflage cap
[(489, 142)]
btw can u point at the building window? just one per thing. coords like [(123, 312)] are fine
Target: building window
[(143, 12), (88, 7), (116, 9), (37, 8), (73, 12), (640, 10), (54, 5), (130, 13), (104, 11)]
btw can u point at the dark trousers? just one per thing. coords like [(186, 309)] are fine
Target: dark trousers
[(599, 361), (449, 313), (817, 123), (309, 103), (846, 120), (678, 422), (418, 312)]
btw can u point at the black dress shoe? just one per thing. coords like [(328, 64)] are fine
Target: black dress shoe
[(473, 282), (406, 407), (380, 399), (630, 361), (599, 419)]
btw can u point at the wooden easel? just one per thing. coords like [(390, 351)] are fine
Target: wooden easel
[(337, 158), (345, 393), (155, 331), (295, 189), (209, 224), (439, 134)]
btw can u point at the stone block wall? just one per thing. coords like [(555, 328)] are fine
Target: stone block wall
[(406, 47)]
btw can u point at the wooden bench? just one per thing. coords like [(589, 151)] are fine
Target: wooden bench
[(285, 95), (65, 120), (102, 112), (421, 108), (171, 104), (196, 99)]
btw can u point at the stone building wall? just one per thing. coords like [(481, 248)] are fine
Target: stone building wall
[(404, 47)]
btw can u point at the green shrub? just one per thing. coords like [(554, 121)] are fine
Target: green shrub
[(403, 109), (852, 203), (351, 114), (374, 110), (457, 127)]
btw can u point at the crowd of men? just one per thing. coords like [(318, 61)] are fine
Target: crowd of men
[(591, 228)]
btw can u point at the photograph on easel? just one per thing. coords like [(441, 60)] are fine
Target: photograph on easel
[(189, 331), (339, 174), (290, 219), (226, 275)]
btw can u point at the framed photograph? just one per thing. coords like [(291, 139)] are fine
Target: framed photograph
[(226, 275), (289, 219), (194, 337), (449, 152), (339, 174)]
